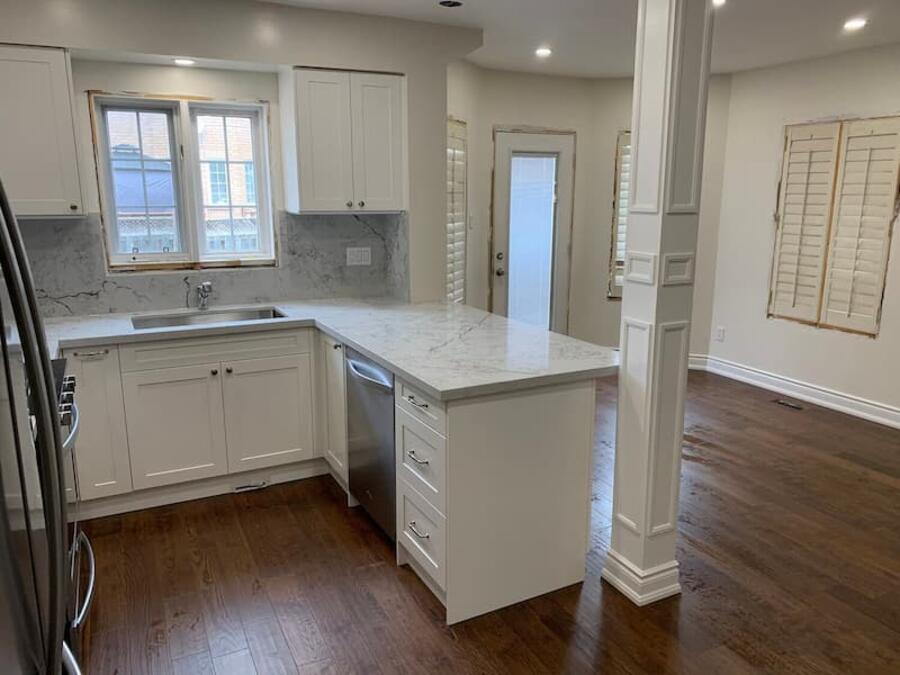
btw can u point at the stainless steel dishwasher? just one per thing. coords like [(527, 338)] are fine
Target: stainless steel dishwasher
[(370, 438)]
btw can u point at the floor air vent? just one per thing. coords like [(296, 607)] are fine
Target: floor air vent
[(788, 404)]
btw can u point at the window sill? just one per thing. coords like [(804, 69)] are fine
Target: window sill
[(117, 268)]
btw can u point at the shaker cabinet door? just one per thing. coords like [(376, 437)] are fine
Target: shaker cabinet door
[(378, 143), (268, 411), (38, 163), (324, 141), (176, 425)]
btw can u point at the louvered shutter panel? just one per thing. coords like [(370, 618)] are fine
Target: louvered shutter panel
[(456, 211), (621, 201), (804, 213), (865, 207)]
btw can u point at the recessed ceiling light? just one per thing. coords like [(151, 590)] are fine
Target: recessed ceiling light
[(184, 62), (854, 24), (718, 3), (450, 3), (543, 52)]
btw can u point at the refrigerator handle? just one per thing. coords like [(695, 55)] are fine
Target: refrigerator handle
[(92, 578), (69, 662), (31, 336)]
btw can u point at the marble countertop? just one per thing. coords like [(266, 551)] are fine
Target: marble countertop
[(450, 351)]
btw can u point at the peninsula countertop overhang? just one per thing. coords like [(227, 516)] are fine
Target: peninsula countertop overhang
[(450, 351)]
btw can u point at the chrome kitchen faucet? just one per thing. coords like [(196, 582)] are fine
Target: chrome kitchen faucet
[(204, 290)]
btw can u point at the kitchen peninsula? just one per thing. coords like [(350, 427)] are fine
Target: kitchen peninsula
[(494, 426)]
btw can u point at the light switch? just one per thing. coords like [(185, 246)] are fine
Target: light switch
[(359, 255)]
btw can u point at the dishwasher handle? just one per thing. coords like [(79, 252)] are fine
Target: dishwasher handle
[(369, 374)]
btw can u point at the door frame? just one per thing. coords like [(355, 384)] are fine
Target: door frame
[(568, 225)]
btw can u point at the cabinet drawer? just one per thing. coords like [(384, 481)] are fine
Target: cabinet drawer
[(421, 406), (191, 351), (421, 458), (422, 532)]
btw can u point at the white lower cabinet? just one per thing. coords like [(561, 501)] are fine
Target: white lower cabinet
[(176, 424), (493, 493), (101, 454), (268, 411), (335, 393), (165, 412)]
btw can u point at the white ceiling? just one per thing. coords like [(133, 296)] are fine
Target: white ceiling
[(595, 38)]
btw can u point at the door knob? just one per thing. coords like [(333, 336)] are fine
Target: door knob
[(500, 272)]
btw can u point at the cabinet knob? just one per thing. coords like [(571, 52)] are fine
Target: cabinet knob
[(229, 370), (214, 371), (350, 205), (361, 204), (73, 207), (336, 346)]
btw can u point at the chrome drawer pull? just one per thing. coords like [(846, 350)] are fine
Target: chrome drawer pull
[(91, 355), (412, 399), (415, 531), (412, 456)]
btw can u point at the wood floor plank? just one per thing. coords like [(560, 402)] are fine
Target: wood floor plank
[(789, 539), (193, 664), (236, 663)]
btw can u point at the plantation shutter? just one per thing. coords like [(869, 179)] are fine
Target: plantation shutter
[(804, 213), (621, 200), (865, 207), (456, 211)]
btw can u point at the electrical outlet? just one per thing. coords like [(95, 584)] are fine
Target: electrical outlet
[(720, 334), (359, 255)]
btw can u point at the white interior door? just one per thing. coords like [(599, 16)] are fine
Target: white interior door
[(532, 233)]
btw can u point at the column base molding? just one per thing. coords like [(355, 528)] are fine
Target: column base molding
[(642, 587)]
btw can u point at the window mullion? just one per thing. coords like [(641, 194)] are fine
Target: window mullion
[(189, 180)]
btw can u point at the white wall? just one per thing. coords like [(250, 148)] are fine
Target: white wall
[(218, 85), (259, 32), (863, 83), (596, 109)]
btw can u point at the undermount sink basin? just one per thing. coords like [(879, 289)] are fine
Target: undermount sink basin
[(207, 316)]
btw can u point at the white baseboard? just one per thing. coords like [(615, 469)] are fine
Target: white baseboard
[(872, 411), (642, 587)]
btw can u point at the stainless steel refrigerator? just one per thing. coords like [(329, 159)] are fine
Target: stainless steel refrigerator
[(40, 549)]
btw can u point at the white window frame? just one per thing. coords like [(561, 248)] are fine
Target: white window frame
[(256, 112), (107, 194), (187, 176), (617, 267)]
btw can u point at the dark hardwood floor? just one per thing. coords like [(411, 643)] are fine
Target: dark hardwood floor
[(789, 549)]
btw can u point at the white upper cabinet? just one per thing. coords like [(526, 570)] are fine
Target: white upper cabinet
[(38, 165), (344, 137), (376, 109), (324, 141)]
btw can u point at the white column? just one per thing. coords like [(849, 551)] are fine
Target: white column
[(667, 133)]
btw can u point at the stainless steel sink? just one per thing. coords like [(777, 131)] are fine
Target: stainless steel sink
[(208, 316)]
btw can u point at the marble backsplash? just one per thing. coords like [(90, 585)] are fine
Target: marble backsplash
[(70, 275)]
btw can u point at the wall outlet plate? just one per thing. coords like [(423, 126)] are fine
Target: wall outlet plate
[(359, 255), (720, 334)]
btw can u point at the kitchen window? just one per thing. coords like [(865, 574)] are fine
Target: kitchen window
[(621, 194), (837, 203), (180, 182)]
